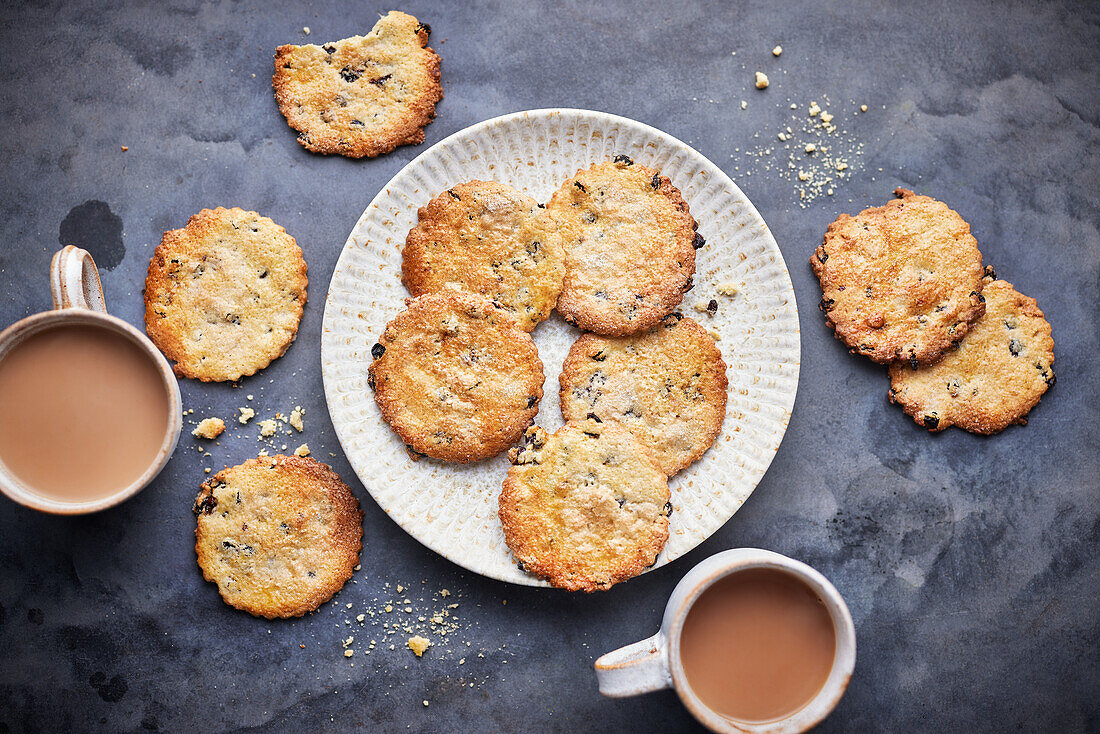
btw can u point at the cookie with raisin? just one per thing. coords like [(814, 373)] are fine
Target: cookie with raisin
[(900, 282), (279, 535), (667, 385), (457, 378), (993, 379), (586, 507), (490, 239), (361, 96), (630, 246), (225, 294)]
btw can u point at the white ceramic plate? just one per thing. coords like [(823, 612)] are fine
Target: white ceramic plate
[(453, 509)]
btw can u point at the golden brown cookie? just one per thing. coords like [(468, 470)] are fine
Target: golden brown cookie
[(279, 535), (224, 295), (900, 282), (488, 238), (362, 96), (456, 377), (667, 385), (995, 376), (586, 507), (630, 246)]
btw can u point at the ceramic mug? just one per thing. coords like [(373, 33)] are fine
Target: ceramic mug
[(78, 300), (654, 663)]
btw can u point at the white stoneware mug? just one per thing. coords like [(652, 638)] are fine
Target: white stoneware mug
[(654, 663), (78, 299)]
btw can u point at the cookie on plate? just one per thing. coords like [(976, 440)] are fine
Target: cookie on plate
[(279, 535), (362, 96), (900, 282), (667, 385), (224, 295), (488, 238), (457, 378), (630, 246), (995, 376), (586, 507)]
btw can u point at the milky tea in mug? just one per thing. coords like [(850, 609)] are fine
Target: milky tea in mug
[(83, 412), (757, 645)]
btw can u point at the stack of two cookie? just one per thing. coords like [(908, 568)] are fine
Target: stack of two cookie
[(903, 284), (458, 377)]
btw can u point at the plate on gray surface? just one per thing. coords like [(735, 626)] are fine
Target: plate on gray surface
[(452, 508)]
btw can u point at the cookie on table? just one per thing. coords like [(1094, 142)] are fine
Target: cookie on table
[(630, 246), (362, 96), (457, 378), (667, 385), (279, 535), (488, 238), (900, 282), (224, 295), (585, 508), (998, 373)]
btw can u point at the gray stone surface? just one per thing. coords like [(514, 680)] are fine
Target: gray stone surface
[(970, 564)]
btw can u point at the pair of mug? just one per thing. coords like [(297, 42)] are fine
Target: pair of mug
[(78, 301), (655, 663)]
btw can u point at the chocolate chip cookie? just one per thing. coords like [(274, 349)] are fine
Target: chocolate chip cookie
[(585, 508), (279, 535), (490, 239), (666, 385), (993, 379), (456, 377), (901, 282), (362, 96), (630, 246), (225, 294)]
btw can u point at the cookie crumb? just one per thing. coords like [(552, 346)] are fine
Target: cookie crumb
[(206, 470), (268, 427), (419, 645), (124, 148), (777, 50), (348, 653), (305, 30), (714, 335), (863, 108), (727, 289), (295, 419), (247, 414), (302, 450), (761, 80), (209, 428), (744, 105)]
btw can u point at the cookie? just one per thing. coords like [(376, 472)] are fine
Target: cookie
[(630, 246), (488, 238), (362, 96), (585, 508), (279, 535), (666, 385), (224, 295), (900, 282), (995, 376), (456, 377)]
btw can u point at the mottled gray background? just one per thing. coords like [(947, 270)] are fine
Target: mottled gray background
[(970, 564)]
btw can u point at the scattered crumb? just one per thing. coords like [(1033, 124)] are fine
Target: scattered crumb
[(744, 105), (863, 108), (348, 653), (777, 50), (247, 414), (124, 148), (209, 428), (295, 419), (419, 645), (305, 30), (302, 450), (726, 289), (761, 80), (444, 593), (811, 148), (268, 427), (207, 470), (425, 703), (714, 335)]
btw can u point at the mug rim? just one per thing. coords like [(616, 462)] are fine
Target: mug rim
[(19, 491), (835, 685)]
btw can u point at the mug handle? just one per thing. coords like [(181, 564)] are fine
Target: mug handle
[(638, 668), (74, 280)]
